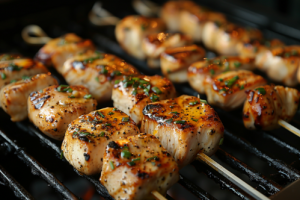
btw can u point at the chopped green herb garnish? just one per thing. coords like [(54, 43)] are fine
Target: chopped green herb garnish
[(179, 122), (116, 73), (226, 64), (3, 76), (156, 90), (212, 72), (13, 67), (100, 113), (71, 96), (143, 81), (294, 52), (154, 98), (174, 112), (90, 60), (220, 79), (117, 81), (136, 159), (62, 88), (287, 54), (261, 91), (193, 103), (111, 113), (169, 120), (223, 90), (131, 163), (221, 141), (111, 164), (143, 27), (152, 158), (107, 124), (41, 91), (115, 109), (97, 79), (125, 154), (242, 87), (134, 92), (25, 77), (102, 134), (255, 49), (237, 64), (203, 101), (61, 155), (13, 81), (125, 119), (195, 120), (87, 96), (128, 83), (230, 82), (135, 79), (103, 70)]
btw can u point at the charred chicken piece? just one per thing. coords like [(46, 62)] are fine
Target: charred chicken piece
[(204, 71), (132, 93), (265, 105), (87, 137), (131, 31), (53, 108), (227, 90), (175, 61), (13, 97), (97, 72), (136, 166), (58, 50), (185, 126)]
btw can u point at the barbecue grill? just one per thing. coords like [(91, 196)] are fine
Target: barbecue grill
[(268, 161)]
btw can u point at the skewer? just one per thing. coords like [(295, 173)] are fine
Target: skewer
[(157, 195), (289, 127), (230, 176)]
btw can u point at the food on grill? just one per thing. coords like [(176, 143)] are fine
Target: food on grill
[(13, 70), (185, 126), (13, 97), (97, 72), (210, 33), (227, 90), (87, 137), (265, 105), (136, 166), (53, 108), (58, 50), (175, 61), (171, 12), (131, 30), (132, 93), (202, 72), (9, 57), (155, 44)]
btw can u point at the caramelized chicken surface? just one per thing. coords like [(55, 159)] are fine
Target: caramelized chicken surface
[(58, 50), (267, 104), (185, 126), (87, 137), (131, 94), (13, 70), (204, 71), (9, 57), (136, 166), (131, 30), (13, 97), (155, 44), (227, 90), (53, 108), (175, 61), (97, 72)]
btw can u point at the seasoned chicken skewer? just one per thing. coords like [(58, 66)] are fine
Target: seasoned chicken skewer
[(132, 93), (54, 107), (13, 97), (58, 50), (136, 166), (267, 105), (97, 72), (202, 72), (87, 137)]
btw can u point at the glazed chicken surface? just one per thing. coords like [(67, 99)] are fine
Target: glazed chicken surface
[(96, 71), (227, 90), (87, 137), (185, 126), (132, 93), (136, 166), (202, 72), (13, 97), (265, 105), (53, 108)]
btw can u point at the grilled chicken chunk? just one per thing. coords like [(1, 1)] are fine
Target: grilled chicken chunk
[(203, 71), (131, 31), (9, 57), (131, 94), (53, 108), (58, 50), (13, 70), (155, 44), (185, 126), (87, 137), (97, 72), (227, 90), (13, 97), (267, 104), (171, 11), (175, 61), (136, 166), (210, 32)]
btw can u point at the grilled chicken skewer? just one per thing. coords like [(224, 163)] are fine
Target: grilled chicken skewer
[(132, 93), (155, 44), (202, 72), (267, 105), (13, 97), (58, 50), (97, 72), (53, 108), (175, 61), (227, 90), (185, 126), (136, 166), (87, 137), (131, 31)]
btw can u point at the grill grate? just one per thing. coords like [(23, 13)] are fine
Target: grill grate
[(265, 184)]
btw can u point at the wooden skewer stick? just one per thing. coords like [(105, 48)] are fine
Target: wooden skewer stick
[(157, 195), (289, 127), (240, 183)]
